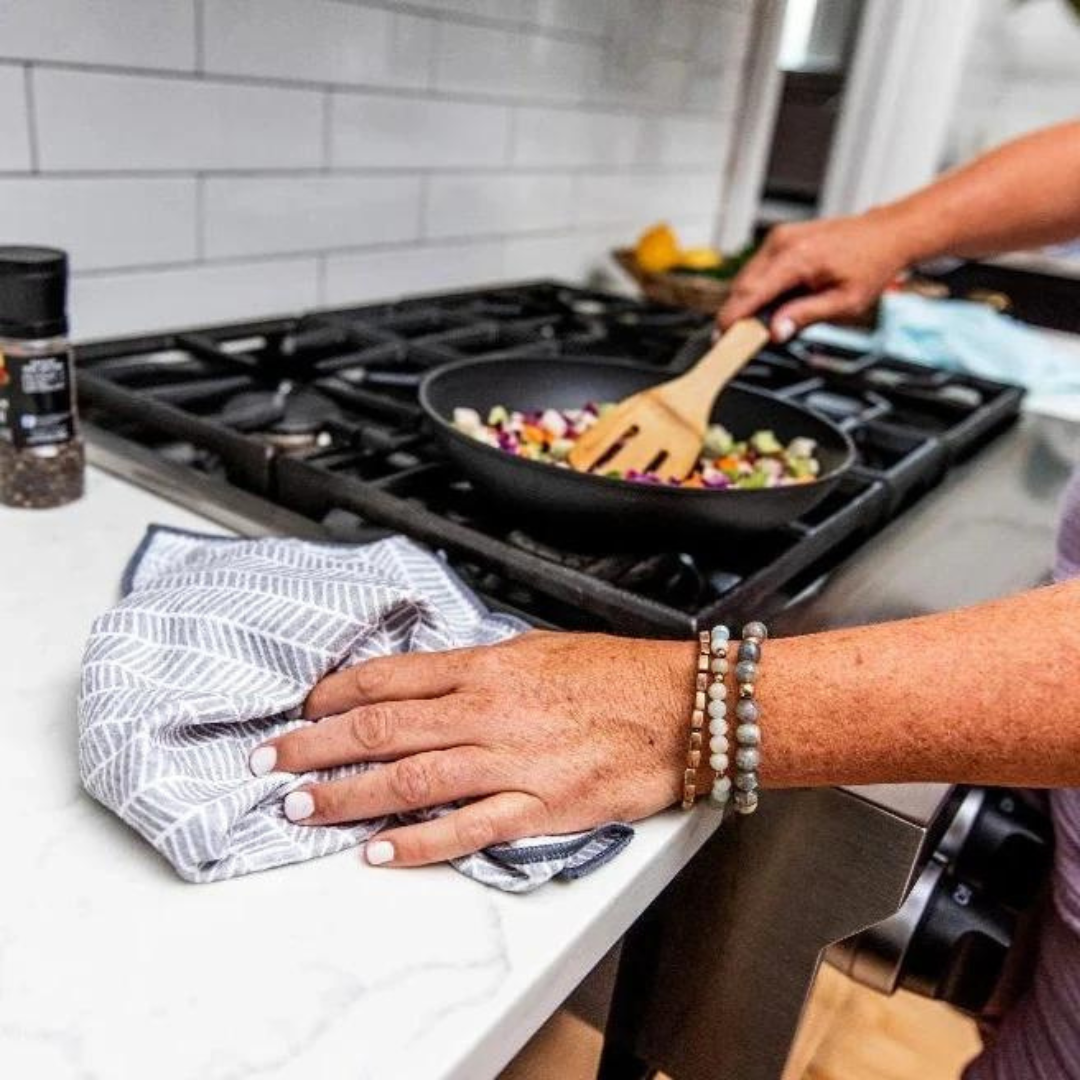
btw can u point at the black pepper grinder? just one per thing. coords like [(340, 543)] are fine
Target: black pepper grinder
[(41, 454)]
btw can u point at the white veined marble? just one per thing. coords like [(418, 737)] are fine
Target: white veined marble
[(113, 968)]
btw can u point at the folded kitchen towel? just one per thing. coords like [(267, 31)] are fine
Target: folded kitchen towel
[(213, 649), (966, 337)]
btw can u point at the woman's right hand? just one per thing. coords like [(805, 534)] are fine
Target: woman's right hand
[(844, 263)]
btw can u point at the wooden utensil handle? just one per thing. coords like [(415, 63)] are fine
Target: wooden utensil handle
[(696, 391)]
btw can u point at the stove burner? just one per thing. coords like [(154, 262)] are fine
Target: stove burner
[(290, 418)]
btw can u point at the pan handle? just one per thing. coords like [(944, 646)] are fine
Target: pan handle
[(767, 311)]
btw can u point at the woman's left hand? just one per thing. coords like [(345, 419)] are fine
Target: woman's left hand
[(546, 733)]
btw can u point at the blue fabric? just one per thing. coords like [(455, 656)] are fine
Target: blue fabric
[(964, 336)]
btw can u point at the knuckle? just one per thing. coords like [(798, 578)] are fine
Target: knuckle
[(412, 782), (371, 728), (781, 235), (370, 679), (475, 831)]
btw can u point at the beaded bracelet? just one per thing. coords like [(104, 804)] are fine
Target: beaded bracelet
[(748, 715), (697, 722), (718, 722)]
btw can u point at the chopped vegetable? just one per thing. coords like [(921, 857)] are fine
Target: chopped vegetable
[(765, 442), (718, 440), (548, 435)]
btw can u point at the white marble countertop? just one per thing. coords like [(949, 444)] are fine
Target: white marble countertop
[(111, 967)]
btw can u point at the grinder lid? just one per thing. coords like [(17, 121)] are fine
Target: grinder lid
[(33, 292)]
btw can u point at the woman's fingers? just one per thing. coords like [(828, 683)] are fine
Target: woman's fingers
[(385, 678), (822, 306), (756, 286), (413, 783), (495, 820), (379, 732)]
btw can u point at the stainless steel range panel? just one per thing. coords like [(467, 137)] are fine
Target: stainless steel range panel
[(308, 425)]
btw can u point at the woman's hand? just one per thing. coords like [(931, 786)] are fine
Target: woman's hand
[(547, 733), (844, 262)]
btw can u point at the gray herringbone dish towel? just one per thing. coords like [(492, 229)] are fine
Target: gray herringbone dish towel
[(213, 649)]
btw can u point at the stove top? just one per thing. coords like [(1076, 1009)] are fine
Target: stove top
[(313, 420)]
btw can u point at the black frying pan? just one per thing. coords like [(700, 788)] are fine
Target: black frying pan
[(586, 510)]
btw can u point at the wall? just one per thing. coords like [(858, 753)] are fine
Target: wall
[(209, 159), (1022, 73)]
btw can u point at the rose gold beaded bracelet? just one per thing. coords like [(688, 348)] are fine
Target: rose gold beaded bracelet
[(697, 722)]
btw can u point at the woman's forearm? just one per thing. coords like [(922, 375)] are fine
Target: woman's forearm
[(1023, 194), (989, 694)]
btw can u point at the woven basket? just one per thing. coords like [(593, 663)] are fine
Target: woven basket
[(698, 292)]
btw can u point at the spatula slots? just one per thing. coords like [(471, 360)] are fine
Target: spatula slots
[(662, 429)]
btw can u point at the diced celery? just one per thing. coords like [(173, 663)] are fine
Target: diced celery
[(765, 442), (757, 479), (498, 415), (718, 440)]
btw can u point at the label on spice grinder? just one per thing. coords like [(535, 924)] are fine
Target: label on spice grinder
[(36, 400)]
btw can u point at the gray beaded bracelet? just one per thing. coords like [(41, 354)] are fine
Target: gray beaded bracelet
[(748, 716), (718, 722)]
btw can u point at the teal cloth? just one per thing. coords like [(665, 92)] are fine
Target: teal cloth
[(960, 335)]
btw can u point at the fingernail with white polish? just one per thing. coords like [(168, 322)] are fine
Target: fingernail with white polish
[(785, 330), (262, 760), (379, 852), (299, 805)]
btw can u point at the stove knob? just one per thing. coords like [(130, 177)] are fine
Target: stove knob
[(1001, 844), (958, 950)]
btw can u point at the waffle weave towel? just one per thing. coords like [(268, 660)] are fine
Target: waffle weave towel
[(213, 649)]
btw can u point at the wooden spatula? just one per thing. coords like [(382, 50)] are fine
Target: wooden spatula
[(662, 429)]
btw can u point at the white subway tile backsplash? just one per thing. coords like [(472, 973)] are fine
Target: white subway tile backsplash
[(505, 10), (589, 17), (133, 33), (564, 137), (686, 140), (640, 199), (267, 215), (383, 275), (426, 144), (14, 120), (479, 205), (368, 130), (481, 59), (581, 256), (679, 24), (116, 122), (318, 41), (721, 36), (102, 222), (126, 303)]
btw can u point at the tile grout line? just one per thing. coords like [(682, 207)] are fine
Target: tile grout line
[(199, 22), (458, 242), (200, 217), (31, 119), (562, 103), (327, 135)]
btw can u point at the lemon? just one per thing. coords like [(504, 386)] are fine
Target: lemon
[(701, 258), (658, 249)]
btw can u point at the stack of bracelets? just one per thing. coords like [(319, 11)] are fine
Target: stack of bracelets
[(710, 699)]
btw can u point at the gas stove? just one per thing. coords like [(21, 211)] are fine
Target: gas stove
[(316, 415)]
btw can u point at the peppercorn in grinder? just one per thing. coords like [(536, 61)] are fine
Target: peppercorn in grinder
[(41, 454)]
